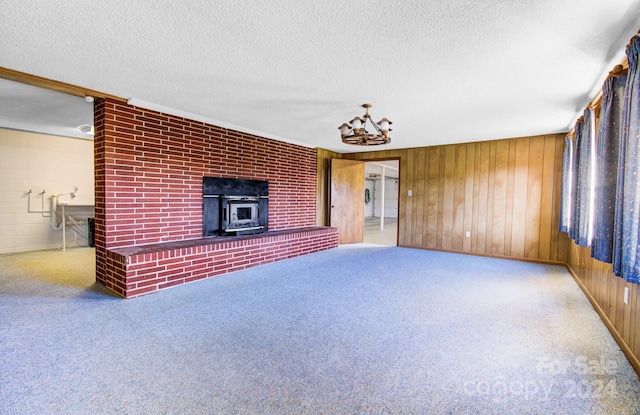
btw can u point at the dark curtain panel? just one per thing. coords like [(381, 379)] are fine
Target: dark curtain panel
[(584, 151), (566, 186), (608, 143), (625, 255)]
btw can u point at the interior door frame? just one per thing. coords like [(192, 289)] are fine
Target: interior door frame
[(400, 209)]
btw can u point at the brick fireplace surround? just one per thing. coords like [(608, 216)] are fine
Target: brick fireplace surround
[(148, 175)]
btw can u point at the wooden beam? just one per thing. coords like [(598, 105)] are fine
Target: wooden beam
[(53, 85)]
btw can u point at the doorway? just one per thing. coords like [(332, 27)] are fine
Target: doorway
[(47, 135), (44, 134), (382, 190)]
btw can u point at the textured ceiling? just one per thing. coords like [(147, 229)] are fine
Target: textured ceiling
[(28, 108), (442, 71)]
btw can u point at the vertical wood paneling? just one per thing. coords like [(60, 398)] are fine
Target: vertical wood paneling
[(458, 198), (633, 311), (534, 197), (476, 197), (468, 195), (603, 284), (554, 242), (607, 292), (546, 196), (410, 202), (611, 308), (448, 186), (490, 197), (420, 167), (483, 196), (505, 192), (402, 200), (501, 177), (627, 326), (520, 185), (636, 339), (432, 197), (440, 189), (619, 304), (508, 224), (425, 197)]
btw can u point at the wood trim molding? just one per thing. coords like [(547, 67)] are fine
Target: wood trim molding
[(603, 316), (453, 251), (53, 85)]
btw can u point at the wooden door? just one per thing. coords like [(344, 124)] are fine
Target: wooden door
[(346, 198)]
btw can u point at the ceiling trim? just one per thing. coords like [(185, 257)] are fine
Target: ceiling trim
[(53, 85)]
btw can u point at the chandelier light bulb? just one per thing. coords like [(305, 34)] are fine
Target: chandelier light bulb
[(384, 124), (344, 129)]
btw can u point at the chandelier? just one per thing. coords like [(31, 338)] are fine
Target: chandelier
[(355, 131)]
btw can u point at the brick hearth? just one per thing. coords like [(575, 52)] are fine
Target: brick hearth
[(155, 267), (148, 173)]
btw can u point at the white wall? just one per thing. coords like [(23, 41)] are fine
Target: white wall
[(368, 208), (390, 197), (37, 162), (375, 169)]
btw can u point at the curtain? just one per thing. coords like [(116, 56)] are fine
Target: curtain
[(584, 152), (607, 152), (626, 227), (573, 196), (566, 186)]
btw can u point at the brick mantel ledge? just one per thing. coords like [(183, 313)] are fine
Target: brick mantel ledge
[(211, 240), (138, 270)]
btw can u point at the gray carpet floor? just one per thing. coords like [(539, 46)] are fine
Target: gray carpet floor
[(355, 330)]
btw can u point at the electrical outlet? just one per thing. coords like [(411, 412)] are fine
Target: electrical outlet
[(626, 295), (409, 192), (467, 234)]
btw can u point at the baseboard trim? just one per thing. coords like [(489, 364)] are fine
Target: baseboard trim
[(537, 261), (618, 338), (635, 362)]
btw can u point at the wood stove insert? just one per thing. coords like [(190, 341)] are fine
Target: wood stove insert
[(234, 206)]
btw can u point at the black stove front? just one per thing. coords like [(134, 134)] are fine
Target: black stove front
[(234, 206)]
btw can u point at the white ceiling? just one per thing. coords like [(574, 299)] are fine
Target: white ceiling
[(28, 108), (390, 168), (442, 71)]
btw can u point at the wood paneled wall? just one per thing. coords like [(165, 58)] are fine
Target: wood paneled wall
[(506, 193), (606, 293)]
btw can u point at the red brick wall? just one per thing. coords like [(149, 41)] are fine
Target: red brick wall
[(149, 168), (146, 272), (153, 165)]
